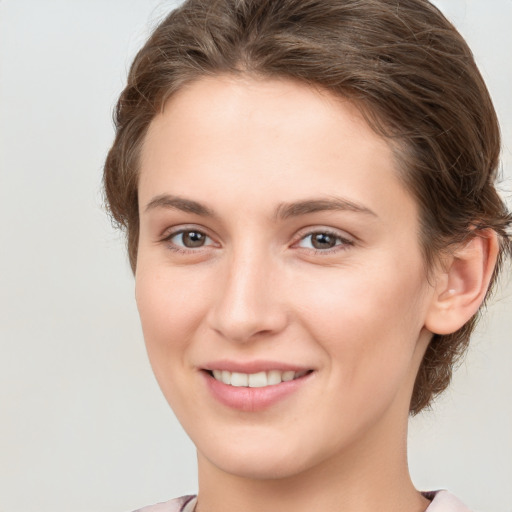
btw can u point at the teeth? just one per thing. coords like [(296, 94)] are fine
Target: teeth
[(256, 380), (274, 377), (287, 376), (238, 379), (226, 377)]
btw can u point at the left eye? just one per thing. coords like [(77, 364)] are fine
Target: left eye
[(191, 239), (321, 240)]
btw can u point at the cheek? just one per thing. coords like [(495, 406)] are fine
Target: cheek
[(360, 299), (368, 324), (171, 306)]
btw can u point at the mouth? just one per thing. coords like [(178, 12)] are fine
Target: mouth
[(260, 379), (255, 391)]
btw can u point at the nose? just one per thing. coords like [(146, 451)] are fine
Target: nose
[(247, 305)]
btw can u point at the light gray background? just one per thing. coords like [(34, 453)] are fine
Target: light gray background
[(83, 426)]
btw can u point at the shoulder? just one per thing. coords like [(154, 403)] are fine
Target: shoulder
[(443, 501), (183, 504)]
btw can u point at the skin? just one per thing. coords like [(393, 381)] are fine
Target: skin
[(357, 314)]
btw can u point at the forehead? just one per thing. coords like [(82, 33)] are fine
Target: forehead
[(276, 139), (240, 106)]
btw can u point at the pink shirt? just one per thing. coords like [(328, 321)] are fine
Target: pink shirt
[(442, 501)]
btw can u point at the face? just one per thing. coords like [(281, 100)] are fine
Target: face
[(280, 282)]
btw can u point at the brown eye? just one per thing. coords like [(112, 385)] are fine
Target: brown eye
[(190, 239), (193, 239), (323, 240)]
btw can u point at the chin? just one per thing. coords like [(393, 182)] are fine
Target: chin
[(263, 460), (263, 466)]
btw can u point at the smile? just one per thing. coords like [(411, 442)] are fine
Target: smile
[(256, 380), (257, 388)]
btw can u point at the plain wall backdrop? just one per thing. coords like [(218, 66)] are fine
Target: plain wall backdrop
[(83, 425)]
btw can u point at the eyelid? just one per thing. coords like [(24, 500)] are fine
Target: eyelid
[(170, 233), (345, 238)]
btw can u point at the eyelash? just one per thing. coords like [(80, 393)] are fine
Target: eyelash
[(341, 242), (184, 250)]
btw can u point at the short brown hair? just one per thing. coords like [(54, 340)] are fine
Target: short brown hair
[(400, 61)]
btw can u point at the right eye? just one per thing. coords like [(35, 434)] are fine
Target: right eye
[(189, 239)]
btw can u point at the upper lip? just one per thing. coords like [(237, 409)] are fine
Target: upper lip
[(252, 366)]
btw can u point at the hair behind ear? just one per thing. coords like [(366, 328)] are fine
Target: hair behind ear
[(461, 287)]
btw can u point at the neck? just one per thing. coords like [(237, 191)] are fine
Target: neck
[(371, 475)]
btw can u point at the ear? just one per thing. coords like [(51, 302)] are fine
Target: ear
[(462, 283)]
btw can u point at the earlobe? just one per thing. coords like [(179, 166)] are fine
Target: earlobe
[(462, 284)]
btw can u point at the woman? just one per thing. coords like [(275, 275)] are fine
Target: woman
[(308, 192)]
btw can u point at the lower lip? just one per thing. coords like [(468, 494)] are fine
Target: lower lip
[(253, 399)]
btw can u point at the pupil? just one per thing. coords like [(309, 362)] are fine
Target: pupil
[(193, 239), (323, 241)]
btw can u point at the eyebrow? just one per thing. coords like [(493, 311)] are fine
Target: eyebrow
[(287, 210), (179, 203), (283, 211)]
